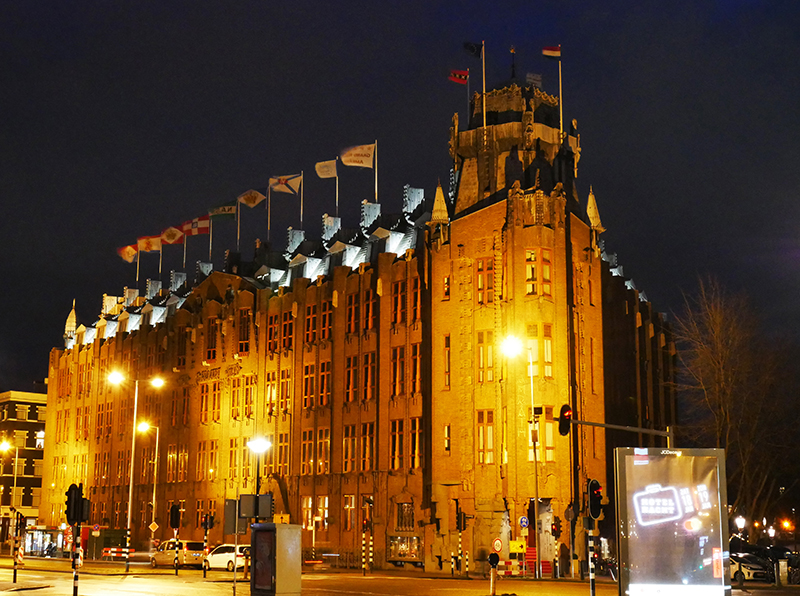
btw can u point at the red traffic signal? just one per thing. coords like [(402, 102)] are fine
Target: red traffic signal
[(564, 420), (595, 498)]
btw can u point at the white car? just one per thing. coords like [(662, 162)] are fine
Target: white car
[(747, 567), (222, 557)]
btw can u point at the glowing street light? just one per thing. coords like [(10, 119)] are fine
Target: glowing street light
[(6, 446), (511, 348), (118, 378), (143, 428), (258, 446), (739, 521)]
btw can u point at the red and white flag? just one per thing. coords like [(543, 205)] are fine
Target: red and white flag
[(172, 235), (459, 76), (149, 243), (128, 253), (196, 226), (552, 52)]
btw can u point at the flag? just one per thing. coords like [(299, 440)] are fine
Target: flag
[(360, 156), (196, 226), (474, 49), (149, 243), (226, 211), (552, 52), (326, 169), (459, 76), (288, 184), (251, 198), (172, 235), (128, 253)]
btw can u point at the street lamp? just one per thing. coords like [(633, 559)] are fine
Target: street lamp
[(117, 378), (258, 446), (6, 446), (511, 348), (739, 521), (143, 428)]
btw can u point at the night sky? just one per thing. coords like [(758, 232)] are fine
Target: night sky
[(119, 119)]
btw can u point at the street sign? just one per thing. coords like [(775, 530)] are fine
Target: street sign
[(523, 532), (497, 545), (153, 527), (523, 522)]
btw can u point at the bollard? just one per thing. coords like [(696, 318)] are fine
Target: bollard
[(363, 553), (452, 564), (466, 561), (591, 560)]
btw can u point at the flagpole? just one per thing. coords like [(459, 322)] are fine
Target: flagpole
[(302, 191), (376, 170), (483, 66), (337, 186), (238, 223), (160, 255), (560, 100), (468, 114), (269, 209), (138, 258), (185, 242), (211, 237)]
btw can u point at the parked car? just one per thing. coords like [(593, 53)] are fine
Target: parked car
[(222, 557), (189, 553), (745, 566)]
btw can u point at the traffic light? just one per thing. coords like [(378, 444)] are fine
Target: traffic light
[(74, 505), (564, 420), (208, 521), (20, 523), (555, 528), (174, 517), (595, 496)]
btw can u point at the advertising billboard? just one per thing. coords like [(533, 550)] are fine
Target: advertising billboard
[(673, 522)]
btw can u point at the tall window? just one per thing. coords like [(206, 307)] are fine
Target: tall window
[(244, 330), (547, 444), (286, 385), (484, 280), (369, 375), (233, 458), (533, 344), (349, 448), (485, 356), (309, 385), (415, 440), (213, 459), (485, 436), (272, 333), (202, 461), (396, 445), (182, 337), (268, 460), (307, 508), (211, 339), (283, 454), (236, 389), (323, 449), (405, 517), (446, 288), (249, 391), (416, 368), (246, 458), (172, 463), (311, 323), (547, 272), (287, 330), (307, 452), (326, 322), (548, 351), (348, 519), (398, 370), (272, 391), (352, 313), (530, 271), (447, 361), (415, 299), (369, 309), (447, 443), (399, 302), (324, 382), (351, 378), (183, 463), (367, 444), (204, 398), (216, 400), (321, 518)]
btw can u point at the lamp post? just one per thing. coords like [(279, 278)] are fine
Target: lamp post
[(258, 446), (6, 446), (144, 427), (511, 348), (739, 521), (117, 378)]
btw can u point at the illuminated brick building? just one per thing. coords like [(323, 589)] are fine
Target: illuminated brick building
[(371, 360)]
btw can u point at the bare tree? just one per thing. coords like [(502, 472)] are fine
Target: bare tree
[(733, 388)]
